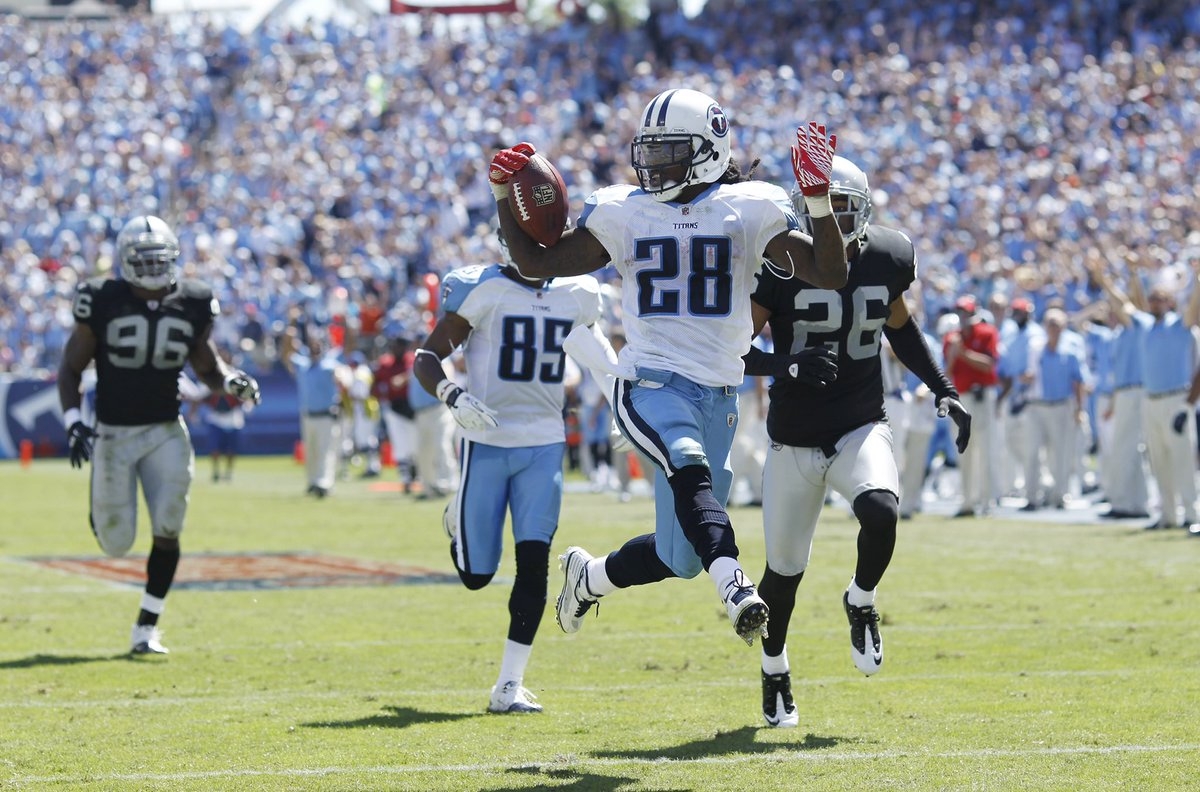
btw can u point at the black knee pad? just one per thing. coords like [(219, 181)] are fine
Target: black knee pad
[(533, 568), (472, 581), (877, 512), (704, 521), (527, 601), (636, 563)]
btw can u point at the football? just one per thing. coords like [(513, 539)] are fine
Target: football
[(537, 196)]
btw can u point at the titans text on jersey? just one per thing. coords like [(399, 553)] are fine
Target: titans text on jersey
[(141, 346), (850, 322)]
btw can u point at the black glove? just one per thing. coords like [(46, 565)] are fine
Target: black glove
[(79, 439), (243, 386), (1179, 422), (948, 405), (815, 366)]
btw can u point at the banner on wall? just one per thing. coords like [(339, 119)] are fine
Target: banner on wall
[(454, 7), (30, 411)]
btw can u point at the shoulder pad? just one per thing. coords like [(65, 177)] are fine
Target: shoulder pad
[(584, 283), (194, 289), (758, 189), (472, 273), (95, 284)]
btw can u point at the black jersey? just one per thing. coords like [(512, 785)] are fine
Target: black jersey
[(141, 346), (850, 322)]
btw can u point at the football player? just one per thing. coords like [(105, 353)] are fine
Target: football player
[(687, 242), (827, 423), (141, 330), (512, 330)]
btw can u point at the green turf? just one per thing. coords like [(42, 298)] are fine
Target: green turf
[(1020, 655)]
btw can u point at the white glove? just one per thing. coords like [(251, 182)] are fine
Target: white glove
[(470, 413)]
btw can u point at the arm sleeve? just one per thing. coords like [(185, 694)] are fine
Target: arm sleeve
[(909, 345), (762, 364)]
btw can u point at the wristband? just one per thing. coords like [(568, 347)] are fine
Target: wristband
[(499, 191), (71, 417), (447, 392), (818, 205)]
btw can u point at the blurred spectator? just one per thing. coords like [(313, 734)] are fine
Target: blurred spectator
[(225, 416), (971, 354), (393, 378), (318, 378), (1054, 383), (360, 416)]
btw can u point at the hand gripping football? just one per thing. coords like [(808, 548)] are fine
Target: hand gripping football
[(537, 197)]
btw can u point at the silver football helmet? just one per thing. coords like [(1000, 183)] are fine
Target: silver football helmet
[(147, 250), (683, 140), (848, 181)]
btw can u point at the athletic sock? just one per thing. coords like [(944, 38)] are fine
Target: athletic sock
[(777, 664), (858, 597), (512, 666), (595, 578)]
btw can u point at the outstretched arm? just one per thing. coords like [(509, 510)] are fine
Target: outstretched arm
[(820, 260), (1191, 314)]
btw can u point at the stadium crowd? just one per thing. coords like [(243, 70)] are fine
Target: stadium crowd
[(320, 175)]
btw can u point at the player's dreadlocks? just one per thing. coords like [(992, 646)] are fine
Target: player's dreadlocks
[(733, 173)]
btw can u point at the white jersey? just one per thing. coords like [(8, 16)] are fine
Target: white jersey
[(514, 354), (688, 271)]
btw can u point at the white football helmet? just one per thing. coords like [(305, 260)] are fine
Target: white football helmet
[(683, 140), (846, 180), (147, 250)]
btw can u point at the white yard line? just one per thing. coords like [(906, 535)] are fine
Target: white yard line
[(778, 754)]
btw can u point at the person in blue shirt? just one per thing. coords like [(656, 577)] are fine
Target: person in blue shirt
[(1017, 334), (1167, 350), (1121, 418), (1055, 384), (317, 380), (436, 458), (1172, 384)]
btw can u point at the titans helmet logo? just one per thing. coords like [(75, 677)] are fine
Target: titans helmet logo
[(717, 121)]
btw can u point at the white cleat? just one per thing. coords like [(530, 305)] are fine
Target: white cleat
[(575, 599), (146, 639), (511, 697), (779, 711), (864, 625), (747, 611)]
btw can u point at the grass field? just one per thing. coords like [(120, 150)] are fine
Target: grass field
[(1020, 655)]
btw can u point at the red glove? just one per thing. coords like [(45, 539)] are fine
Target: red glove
[(812, 162), (505, 164)]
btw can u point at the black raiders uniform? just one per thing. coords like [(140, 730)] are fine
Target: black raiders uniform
[(850, 322), (141, 346)]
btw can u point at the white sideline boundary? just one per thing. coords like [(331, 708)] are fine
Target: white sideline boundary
[(441, 694), (779, 755)]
